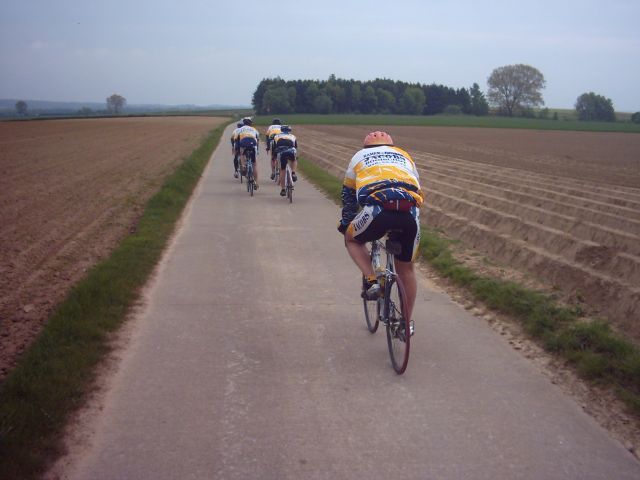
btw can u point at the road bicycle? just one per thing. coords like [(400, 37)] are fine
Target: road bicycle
[(250, 158), (389, 307)]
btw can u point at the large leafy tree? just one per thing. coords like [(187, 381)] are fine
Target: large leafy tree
[(386, 101), (515, 88), (323, 103), (591, 106), (21, 107), (412, 101), (276, 100), (115, 103), (369, 101)]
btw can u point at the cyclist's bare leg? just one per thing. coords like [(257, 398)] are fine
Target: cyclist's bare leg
[(407, 276), (243, 161), (292, 164), (359, 254)]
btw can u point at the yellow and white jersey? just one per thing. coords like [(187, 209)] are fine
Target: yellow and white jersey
[(234, 135), (247, 131), (380, 174), (285, 140), (273, 130)]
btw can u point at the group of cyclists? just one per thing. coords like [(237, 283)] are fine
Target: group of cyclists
[(281, 144), (381, 192)]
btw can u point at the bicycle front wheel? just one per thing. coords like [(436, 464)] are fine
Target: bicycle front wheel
[(398, 328), (371, 309)]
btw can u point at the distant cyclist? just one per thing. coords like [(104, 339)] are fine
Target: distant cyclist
[(383, 181), (285, 146), (235, 149), (248, 138), (272, 131)]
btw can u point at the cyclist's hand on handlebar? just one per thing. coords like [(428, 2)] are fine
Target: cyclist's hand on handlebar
[(342, 227)]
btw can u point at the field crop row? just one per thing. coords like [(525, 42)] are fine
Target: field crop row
[(580, 236)]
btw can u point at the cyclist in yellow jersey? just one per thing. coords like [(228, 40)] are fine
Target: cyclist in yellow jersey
[(248, 138), (272, 131), (381, 191), (235, 149), (285, 146)]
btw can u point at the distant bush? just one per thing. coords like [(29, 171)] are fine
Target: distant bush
[(635, 118), (544, 113), (452, 110), (527, 113), (591, 106)]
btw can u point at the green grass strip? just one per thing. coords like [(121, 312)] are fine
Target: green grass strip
[(453, 121), (53, 376), (598, 354)]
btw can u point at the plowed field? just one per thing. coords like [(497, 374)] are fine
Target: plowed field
[(70, 190), (562, 206)]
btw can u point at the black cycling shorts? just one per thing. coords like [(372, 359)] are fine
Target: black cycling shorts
[(249, 152), (285, 157), (372, 223)]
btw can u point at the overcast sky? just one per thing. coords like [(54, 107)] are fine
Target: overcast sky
[(206, 51)]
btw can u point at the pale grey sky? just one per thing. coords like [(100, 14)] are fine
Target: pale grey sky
[(207, 51)]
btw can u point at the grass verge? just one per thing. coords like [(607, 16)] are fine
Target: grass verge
[(597, 353), (54, 375), (454, 121)]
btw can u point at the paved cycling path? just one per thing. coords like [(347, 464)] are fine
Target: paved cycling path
[(252, 361)]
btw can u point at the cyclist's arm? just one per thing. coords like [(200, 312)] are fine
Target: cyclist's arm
[(349, 205), (349, 198)]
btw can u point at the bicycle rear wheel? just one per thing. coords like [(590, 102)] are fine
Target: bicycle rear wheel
[(250, 180), (398, 328), (289, 184), (371, 309)]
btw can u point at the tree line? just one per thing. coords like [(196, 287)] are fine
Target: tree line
[(514, 90), (379, 96)]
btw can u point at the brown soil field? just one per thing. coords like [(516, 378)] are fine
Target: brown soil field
[(70, 190), (563, 207)]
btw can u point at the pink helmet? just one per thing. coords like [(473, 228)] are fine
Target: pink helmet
[(378, 138)]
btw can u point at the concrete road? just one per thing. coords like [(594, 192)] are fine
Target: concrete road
[(252, 361)]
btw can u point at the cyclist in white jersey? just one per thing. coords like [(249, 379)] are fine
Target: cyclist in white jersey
[(248, 137)]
